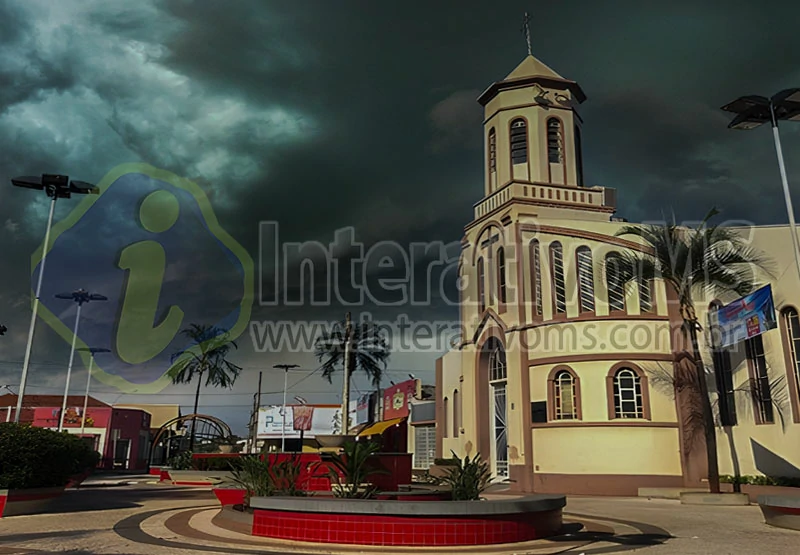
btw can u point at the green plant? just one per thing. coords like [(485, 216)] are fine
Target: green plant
[(41, 458), (445, 462), (351, 471), (261, 477), (469, 478), (181, 461), (709, 258), (208, 356), (783, 481)]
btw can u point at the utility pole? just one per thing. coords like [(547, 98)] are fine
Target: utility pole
[(346, 381), (285, 368), (255, 412)]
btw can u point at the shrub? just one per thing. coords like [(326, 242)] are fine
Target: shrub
[(41, 458), (349, 474), (445, 462), (785, 481), (469, 479), (261, 478), (232, 462), (181, 461)]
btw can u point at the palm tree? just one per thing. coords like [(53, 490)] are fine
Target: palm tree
[(363, 346), (709, 259), (211, 346)]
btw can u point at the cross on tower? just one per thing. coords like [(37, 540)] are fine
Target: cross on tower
[(526, 29)]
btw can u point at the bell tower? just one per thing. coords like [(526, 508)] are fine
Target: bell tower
[(532, 128)]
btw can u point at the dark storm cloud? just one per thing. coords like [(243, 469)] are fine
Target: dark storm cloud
[(327, 115)]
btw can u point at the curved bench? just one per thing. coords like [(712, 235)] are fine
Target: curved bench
[(782, 511), (407, 523)]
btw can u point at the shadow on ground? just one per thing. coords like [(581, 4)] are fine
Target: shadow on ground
[(101, 499)]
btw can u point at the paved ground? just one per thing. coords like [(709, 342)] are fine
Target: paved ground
[(151, 519)]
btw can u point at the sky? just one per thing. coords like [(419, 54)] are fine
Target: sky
[(325, 116)]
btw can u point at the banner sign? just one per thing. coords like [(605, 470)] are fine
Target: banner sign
[(311, 419), (744, 318), (396, 399)]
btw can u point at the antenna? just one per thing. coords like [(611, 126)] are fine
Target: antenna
[(526, 29)]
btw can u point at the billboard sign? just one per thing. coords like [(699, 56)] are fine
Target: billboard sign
[(311, 419), (744, 318), (397, 399)]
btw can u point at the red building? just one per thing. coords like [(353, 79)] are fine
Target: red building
[(121, 436)]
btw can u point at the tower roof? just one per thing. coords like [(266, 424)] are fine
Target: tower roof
[(532, 67), (532, 70)]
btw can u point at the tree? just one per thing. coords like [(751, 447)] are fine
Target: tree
[(363, 346), (707, 258), (208, 355)]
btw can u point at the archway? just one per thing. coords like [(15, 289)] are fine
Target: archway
[(493, 406), (173, 436)]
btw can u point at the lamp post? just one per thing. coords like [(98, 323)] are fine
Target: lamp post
[(80, 296), (286, 368), (753, 111), (56, 187), (92, 351)]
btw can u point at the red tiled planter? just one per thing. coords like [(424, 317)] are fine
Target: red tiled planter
[(78, 479), (27, 501), (408, 523), (229, 496), (155, 471)]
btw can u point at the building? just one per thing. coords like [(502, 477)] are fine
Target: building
[(556, 379), (121, 436)]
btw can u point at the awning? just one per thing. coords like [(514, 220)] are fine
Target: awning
[(379, 427)]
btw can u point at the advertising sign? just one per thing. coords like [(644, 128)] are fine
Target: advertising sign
[(396, 399), (363, 408), (96, 417), (744, 318), (324, 420)]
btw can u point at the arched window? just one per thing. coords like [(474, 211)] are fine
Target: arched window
[(519, 141), (723, 373), (585, 279), (559, 288), (501, 274), (492, 150), (759, 378), (497, 365), (565, 396), (536, 276), (645, 294), (481, 287), (791, 324), (628, 401), (555, 142), (456, 413), (578, 156), (445, 418), (614, 284)]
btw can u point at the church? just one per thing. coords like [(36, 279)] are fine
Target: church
[(561, 379)]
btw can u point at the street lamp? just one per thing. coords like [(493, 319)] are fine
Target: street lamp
[(56, 187), (80, 296), (753, 111), (285, 368), (92, 351)]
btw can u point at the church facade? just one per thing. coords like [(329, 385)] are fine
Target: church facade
[(562, 377)]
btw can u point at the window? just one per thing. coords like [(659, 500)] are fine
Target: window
[(555, 144), (445, 417), (578, 156), (519, 141), (791, 322), (481, 287), (645, 295), (492, 150), (566, 396), (497, 365), (501, 274), (762, 396), (424, 446), (615, 285), (456, 413), (559, 289), (723, 375), (585, 279), (628, 394), (536, 276)]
